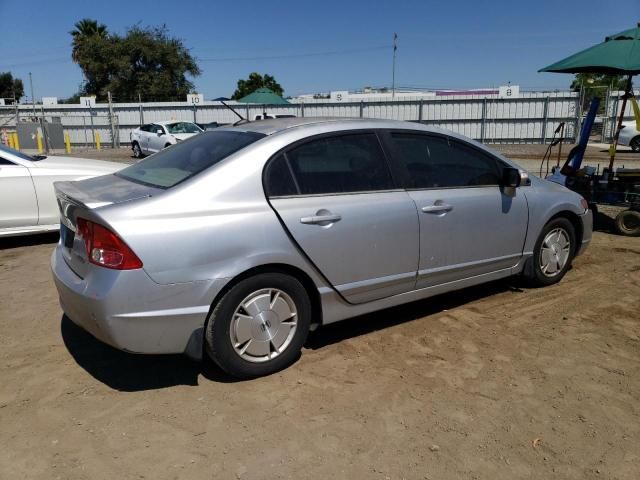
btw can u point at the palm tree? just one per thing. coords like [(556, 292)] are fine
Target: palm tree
[(85, 28)]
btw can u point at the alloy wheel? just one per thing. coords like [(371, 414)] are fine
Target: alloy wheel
[(263, 325), (554, 252)]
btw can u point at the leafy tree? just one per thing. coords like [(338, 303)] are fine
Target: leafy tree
[(84, 29), (254, 82), (10, 87), (596, 85), (146, 61)]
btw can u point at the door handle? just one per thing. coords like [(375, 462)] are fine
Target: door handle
[(320, 219), (441, 208)]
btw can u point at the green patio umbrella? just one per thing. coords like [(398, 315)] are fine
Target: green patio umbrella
[(619, 54), (265, 97)]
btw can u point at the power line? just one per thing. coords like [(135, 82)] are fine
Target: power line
[(297, 55)]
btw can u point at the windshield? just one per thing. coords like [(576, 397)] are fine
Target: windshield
[(23, 156), (183, 127), (173, 165)]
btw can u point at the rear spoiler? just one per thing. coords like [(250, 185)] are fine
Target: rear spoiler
[(73, 194)]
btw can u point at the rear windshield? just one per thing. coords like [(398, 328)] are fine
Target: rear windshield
[(175, 164)]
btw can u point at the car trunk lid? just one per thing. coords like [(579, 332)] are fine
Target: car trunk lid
[(84, 199)]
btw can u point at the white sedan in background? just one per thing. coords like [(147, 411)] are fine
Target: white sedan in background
[(153, 137), (27, 200), (630, 136)]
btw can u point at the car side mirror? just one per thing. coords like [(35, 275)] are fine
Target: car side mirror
[(511, 177), (159, 132)]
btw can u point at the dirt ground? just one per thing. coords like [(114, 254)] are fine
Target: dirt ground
[(493, 382)]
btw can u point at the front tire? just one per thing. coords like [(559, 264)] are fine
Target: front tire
[(137, 152), (553, 253), (259, 326), (635, 144)]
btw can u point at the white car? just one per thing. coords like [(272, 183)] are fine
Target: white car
[(630, 136), (153, 137), (269, 116), (27, 201)]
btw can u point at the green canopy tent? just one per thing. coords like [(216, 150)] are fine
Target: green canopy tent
[(265, 97), (619, 54)]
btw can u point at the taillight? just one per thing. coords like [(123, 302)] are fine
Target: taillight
[(105, 248)]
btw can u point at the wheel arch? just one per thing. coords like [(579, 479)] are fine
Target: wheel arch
[(575, 222), (295, 272)]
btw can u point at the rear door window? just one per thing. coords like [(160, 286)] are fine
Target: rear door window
[(341, 164)]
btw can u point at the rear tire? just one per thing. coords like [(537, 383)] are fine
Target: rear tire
[(553, 253), (259, 326), (627, 223)]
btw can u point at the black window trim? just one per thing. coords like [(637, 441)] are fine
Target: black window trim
[(402, 173), (340, 133), (9, 163)]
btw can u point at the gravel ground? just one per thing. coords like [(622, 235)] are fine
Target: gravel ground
[(493, 382)]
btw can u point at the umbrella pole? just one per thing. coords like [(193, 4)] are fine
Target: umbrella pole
[(614, 142)]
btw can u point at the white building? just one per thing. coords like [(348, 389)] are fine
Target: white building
[(385, 95)]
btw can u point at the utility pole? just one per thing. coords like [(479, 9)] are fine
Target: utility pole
[(393, 75), (33, 99)]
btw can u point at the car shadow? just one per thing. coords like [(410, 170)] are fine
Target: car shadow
[(28, 240), (380, 320), (129, 372), (603, 223)]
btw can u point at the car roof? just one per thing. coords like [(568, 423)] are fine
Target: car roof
[(168, 122), (275, 125)]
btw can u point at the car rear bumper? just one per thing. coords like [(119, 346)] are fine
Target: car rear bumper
[(129, 311), (587, 230)]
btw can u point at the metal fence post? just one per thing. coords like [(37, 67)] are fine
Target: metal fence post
[(545, 120), (483, 119), (576, 121), (614, 116), (302, 109), (141, 110), (93, 131), (84, 129), (111, 125), (45, 133), (195, 111), (420, 109)]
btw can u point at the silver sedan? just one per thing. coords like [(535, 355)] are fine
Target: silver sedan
[(239, 241)]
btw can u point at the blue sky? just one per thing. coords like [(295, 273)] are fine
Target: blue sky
[(329, 45)]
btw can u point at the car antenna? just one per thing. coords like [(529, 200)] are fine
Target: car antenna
[(222, 100)]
